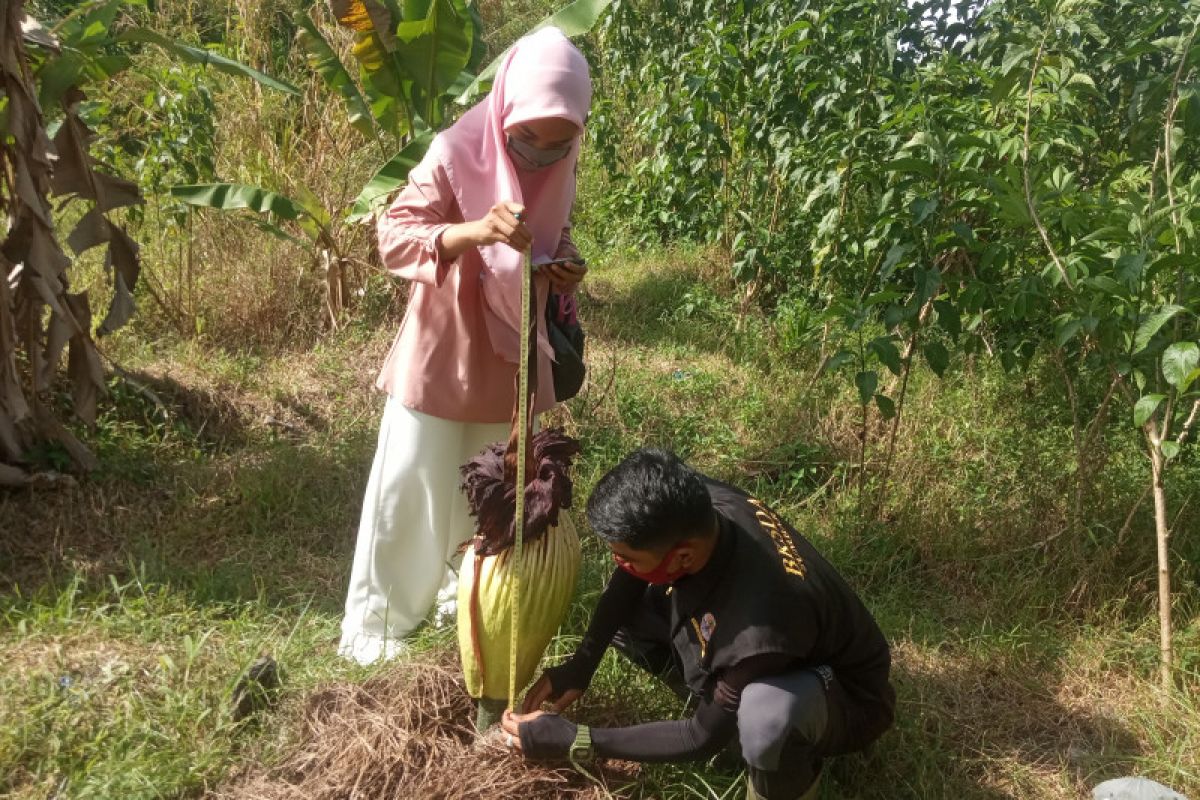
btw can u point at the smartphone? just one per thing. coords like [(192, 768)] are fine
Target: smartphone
[(574, 262)]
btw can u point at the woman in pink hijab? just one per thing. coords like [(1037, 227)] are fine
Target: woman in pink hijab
[(498, 181)]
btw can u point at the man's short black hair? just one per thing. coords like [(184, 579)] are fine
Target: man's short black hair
[(650, 501)]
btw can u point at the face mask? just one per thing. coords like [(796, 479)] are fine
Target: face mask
[(659, 574), (528, 158)]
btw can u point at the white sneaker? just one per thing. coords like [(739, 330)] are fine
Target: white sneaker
[(367, 649)]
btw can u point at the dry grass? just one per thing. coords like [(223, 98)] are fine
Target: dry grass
[(1018, 731), (190, 439), (406, 733), (77, 659)]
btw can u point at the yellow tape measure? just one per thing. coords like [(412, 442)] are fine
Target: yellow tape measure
[(522, 444)]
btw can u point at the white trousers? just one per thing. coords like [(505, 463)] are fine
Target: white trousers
[(413, 520)]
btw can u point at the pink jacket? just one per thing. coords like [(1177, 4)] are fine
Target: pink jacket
[(442, 362)]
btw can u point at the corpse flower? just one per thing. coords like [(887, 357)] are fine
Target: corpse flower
[(549, 564)]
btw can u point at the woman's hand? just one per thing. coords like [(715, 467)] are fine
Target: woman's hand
[(564, 275), (503, 225), (500, 225)]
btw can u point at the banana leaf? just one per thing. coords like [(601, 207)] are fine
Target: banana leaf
[(197, 55), (232, 196), (307, 213), (419, 10), (434, 51), (323, 59), (389, 178), (369, 16), (88, 25), (75, 51), (575, 19), (387, 89)]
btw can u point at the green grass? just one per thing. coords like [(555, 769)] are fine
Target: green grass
[(222, 527)]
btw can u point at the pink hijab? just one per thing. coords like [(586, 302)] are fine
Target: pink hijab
[(543, 76)]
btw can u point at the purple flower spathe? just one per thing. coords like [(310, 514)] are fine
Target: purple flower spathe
[(492, 500)]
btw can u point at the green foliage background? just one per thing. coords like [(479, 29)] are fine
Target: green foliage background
[(817, 271)]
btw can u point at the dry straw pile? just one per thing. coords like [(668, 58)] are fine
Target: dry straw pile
[(406, 734)]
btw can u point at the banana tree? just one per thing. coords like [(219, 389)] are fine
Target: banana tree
[(46, 152), (302, 220), (33, 269), (414, 61), (411, 67)]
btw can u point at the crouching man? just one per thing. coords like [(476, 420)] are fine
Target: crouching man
[(730, 605)]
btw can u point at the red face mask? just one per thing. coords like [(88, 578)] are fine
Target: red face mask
[(659, 574)]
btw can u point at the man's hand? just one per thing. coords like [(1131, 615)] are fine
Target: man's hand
[(542, 692), (549, 735), (511, 723)]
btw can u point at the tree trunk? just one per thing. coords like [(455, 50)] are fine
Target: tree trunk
[(334, 301), (1162, 534)]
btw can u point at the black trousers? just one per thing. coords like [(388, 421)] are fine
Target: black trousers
[(786, 724)]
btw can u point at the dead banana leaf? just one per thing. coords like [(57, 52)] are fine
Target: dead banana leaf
[(76, 172), (13, 477), (33, 266), (367, 16)]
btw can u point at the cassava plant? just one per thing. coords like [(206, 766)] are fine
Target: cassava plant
[(938, 182)]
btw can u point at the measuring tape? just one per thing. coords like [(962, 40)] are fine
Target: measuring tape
[(522, 444)]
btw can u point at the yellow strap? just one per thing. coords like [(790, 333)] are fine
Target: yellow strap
[(522, 435)]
